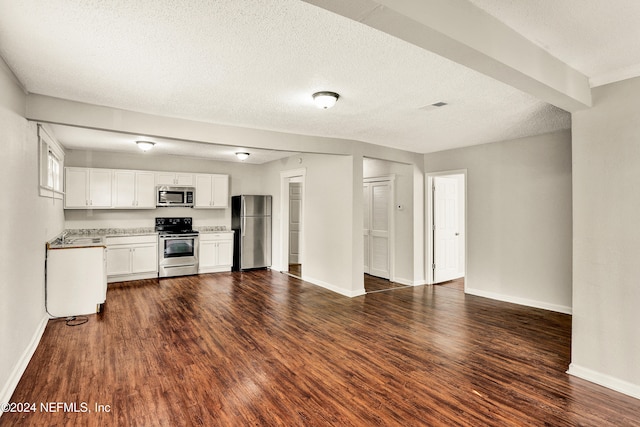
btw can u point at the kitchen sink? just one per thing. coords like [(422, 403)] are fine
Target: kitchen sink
[(82, 240)]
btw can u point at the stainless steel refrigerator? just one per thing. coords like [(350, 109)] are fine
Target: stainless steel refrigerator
[(251, 221)]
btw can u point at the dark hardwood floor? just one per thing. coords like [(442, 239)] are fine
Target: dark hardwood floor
[(264, 348), (377, 284), (454, 284), (295, 270)]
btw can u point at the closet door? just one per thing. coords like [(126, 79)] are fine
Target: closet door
[(380, 216), (377, 217)]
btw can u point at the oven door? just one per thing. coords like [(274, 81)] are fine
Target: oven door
[(179, 247)]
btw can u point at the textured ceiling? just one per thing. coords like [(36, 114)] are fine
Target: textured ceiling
[(256, 63)]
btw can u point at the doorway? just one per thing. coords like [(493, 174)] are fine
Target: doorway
[(292, 221), (295, 227), (446, 227)]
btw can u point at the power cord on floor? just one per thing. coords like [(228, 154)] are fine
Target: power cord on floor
[(76, 321)]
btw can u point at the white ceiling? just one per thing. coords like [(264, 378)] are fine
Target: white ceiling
[(598, 38), (256, 63)]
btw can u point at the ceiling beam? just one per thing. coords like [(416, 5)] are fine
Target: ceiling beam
[(463, 33), (46, 109)]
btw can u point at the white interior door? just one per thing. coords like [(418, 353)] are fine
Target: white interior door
[(295, 221), (446, 232), (378, 205)]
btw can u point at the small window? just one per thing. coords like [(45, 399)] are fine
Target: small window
[(51, 165)]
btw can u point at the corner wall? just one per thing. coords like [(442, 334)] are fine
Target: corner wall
[(403, 218), (328, 219), (518, 218), (27, 222), (606, 267)]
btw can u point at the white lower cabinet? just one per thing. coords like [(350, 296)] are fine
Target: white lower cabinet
[(132, 257), (216, 252)]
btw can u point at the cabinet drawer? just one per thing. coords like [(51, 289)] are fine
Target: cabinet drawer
[(127, 240), (215, 236)]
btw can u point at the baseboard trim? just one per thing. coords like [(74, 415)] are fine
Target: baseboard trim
[(521, 301), (341, 291), (604, 380), (19, 368)]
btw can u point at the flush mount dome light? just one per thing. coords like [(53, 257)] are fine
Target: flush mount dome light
[(325, 99), (145, 145), (242, 155)]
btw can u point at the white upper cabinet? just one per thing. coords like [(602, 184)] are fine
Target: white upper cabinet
[(93, 188), (212, 191), (174, 178), (87, 188), (133, 189)]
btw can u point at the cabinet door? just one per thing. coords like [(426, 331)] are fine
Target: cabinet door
[(165, 178), (145, 190), (100, 188), (184, 179), (203, 191), (124, 195), (144, 259), (225, 252), (220, 187), (118, 260), (208, 253), (76, 187)]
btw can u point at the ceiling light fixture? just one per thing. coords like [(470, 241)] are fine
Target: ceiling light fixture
[(145, 145), (325, 99), (242, 155)]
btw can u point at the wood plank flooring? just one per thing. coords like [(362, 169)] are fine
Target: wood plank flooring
[(264, 348), (377, 284)]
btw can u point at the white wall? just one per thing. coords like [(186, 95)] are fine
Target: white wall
[(27, 221), (403, 219), (518, 218), (606, 263), (244, 178), (328, 225)]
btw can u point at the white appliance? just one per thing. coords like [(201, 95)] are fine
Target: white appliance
[(76, 282)]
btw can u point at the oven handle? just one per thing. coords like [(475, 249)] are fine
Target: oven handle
[(178, 236)]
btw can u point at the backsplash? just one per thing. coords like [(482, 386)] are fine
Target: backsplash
[(121, 218)]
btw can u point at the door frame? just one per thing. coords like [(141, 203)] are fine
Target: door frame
[(285, 178), (429, 223), (391, 179)]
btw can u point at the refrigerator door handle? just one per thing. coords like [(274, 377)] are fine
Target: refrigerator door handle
[(244, 225)]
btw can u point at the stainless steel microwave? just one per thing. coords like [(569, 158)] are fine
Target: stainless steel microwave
[(175, 196)]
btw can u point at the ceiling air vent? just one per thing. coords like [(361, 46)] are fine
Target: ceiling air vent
[(433, 106)]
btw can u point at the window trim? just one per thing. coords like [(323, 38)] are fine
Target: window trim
[(48, 147)]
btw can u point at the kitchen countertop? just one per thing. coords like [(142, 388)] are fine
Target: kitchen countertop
[(94, 237), (206, 229)]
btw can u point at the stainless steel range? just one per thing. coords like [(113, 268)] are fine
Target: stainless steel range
[(177, 247)]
